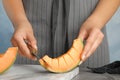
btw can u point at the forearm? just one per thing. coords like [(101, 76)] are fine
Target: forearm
[(103, 12), (15, 11)]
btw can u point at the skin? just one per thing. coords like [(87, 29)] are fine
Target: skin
[(90, 30)]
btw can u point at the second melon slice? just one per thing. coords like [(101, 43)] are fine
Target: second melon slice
[(65, 62)]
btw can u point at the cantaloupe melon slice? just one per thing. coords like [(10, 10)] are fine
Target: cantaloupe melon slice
[(73, 54), (1, 55), (62, 64), (65, 62), (7, 59), (68, 59)]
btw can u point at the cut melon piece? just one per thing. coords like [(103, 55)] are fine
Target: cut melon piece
[(77, 45), (61, 64), (46, 59), (1, 55), (68, 59), (74, 54), (65, 62), (7, 59)]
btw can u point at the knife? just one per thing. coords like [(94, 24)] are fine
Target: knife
[(32, 51), (34, 54)]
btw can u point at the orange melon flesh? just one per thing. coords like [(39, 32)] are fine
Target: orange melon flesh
[(77, 45), (73, 54), (48, 60), (7, 59), (1, 55), (54, 64), (62, 63), (65, 62), (68, 59)]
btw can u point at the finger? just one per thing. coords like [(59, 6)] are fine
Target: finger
[(32, 41), (82, 34), (32, 50), (15, 45), (89, 42), (24, 49), (21, 53), (95, 45)]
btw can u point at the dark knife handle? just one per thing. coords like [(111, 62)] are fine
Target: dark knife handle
[(34, 54)]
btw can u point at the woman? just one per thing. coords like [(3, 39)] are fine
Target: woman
[(56, 23)]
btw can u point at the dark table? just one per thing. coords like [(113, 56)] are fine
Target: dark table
[(86, 74)]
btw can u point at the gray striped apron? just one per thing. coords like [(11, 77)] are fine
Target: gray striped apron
[(56, 24)]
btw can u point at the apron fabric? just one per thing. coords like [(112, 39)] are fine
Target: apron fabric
[(56, 23)]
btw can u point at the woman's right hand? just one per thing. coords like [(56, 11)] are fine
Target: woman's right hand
[(22, 33)]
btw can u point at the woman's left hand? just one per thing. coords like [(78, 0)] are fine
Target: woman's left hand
[(91, 33)]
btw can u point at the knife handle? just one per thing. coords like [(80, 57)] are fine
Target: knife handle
[(32, 50)]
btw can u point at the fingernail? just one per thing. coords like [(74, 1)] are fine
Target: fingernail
[(35, 47), (80, 62), (83, 57), (35, 59)]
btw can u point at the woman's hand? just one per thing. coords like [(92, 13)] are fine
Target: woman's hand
[(24, 32), (90, 32), (91, 29)]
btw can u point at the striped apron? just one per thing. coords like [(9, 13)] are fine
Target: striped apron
[(56, 24)]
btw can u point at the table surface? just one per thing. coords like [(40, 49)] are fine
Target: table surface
[(35, 72), (86, 74)]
